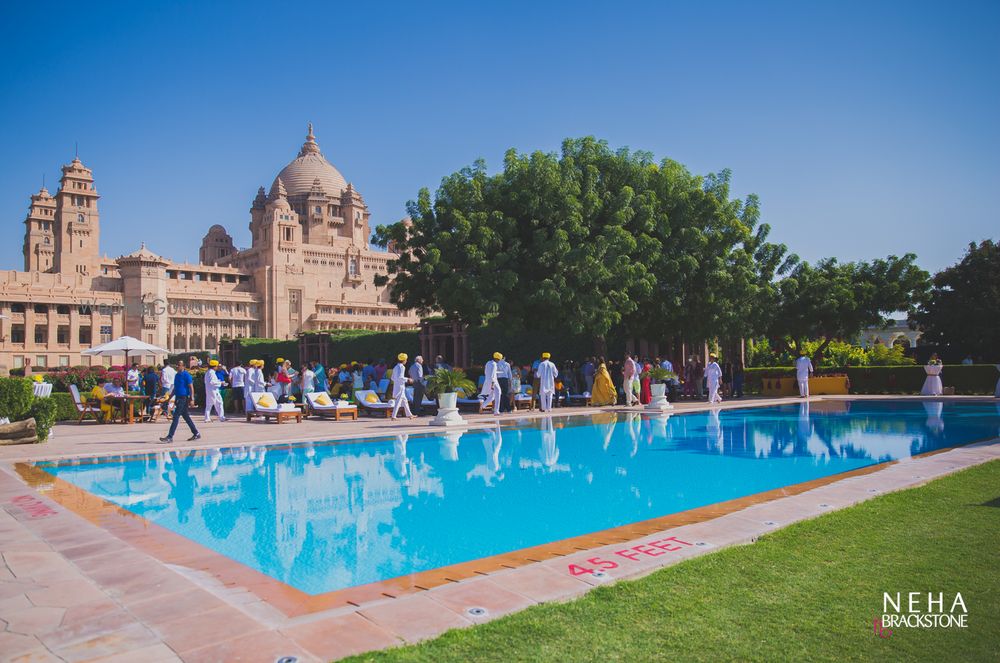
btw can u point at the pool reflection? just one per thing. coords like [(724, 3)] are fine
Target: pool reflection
[(323, 516)]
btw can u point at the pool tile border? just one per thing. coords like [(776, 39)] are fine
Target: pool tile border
[(338, 632), (171, 548)]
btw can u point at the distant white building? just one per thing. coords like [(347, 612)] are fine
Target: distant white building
[(898, 331)]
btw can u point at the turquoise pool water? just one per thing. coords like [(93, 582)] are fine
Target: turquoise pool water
[(326, 516)]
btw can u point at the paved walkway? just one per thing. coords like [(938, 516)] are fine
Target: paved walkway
[(72, 591)]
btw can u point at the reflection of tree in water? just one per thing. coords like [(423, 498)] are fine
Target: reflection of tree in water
[(220, 517)]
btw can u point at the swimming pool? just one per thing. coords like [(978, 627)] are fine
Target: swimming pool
[(327, 516)]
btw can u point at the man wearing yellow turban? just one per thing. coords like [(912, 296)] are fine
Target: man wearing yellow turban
[(399, 381), (213, 393), (547, 374), (491, 382)]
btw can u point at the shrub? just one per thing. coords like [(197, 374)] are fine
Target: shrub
[(44, 412), (65, 409), (976, 379), (16, 395)]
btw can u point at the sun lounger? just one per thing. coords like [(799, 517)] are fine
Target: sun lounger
[(337, 409), (426, 402), (281, 412), (523, 399), (366, 404), (580, 399)]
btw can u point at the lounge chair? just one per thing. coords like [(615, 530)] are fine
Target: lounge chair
[(84, 409), (479, 403), (368, 401), (280, 412), (524, 399), (331, 408), (580, 399), (426, 402)]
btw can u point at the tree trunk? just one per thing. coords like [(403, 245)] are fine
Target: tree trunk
[(601, 346)]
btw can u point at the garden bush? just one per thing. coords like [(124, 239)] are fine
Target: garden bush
[(44, 412), (65, 409), (975, 379), (16, 395)]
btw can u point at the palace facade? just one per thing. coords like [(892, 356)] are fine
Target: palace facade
[(309, 267)]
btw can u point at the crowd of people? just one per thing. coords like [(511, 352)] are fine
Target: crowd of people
[(597, 380)]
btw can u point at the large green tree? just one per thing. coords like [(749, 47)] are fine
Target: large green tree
[(586, 241), (832, 301), (962, 311)]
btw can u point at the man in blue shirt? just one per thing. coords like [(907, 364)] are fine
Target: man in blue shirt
[(183, 393)]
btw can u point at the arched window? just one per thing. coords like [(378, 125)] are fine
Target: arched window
[(81, 218)]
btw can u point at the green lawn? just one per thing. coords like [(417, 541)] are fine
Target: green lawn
[(807, 592)]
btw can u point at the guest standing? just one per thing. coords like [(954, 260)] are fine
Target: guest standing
[(713, 374), (417, 378)]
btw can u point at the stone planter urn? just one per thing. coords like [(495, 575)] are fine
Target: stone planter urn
[(447, 414), (659, 402)]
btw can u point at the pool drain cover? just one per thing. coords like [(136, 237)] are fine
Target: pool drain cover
[(599, 574), (477, 612)]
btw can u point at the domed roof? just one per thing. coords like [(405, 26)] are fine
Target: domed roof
[(311, 165)]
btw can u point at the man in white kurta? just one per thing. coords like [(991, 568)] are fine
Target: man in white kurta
[(803, 369), (491, 382), (547, 374), (213, 395), (713, 375), (630, 371), (399, 381)]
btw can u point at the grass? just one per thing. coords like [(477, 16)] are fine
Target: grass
[(807, 592)]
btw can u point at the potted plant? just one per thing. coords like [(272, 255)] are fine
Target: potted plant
[(658, 388), (444, 384)]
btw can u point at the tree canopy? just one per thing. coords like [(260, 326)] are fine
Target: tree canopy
[(962, 309), (592, 239), (586, 241), (836, 301)]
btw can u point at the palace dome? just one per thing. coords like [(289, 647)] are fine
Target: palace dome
[(310, 165)]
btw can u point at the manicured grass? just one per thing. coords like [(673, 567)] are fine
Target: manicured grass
[(805, 593)]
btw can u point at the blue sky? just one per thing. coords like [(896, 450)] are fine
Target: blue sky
[(866, 128)]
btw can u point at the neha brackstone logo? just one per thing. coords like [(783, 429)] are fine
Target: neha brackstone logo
[(920, 610)]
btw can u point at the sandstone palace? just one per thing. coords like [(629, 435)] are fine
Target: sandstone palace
[(309, 267)]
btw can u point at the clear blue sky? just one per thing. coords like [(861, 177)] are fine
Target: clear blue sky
[(866, 128)]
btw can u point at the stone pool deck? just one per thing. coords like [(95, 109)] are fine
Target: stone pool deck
[(73, 591)]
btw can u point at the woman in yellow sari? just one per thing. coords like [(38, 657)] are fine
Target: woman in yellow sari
[(604, 389)]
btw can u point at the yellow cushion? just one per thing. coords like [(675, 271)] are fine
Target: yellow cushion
[(267, 400), (323, 400), (460, 392), (371, 398)]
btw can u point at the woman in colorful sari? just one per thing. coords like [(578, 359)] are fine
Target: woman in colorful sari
[(604, 388), (645, 394)]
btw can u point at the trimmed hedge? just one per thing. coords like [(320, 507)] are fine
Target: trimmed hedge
[(44, 412), (16, 396), (374, 346), (65, 409), (18, 402), (268, 349), (975, 379)]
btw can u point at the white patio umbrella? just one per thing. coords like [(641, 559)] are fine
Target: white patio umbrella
[(124, 345)]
